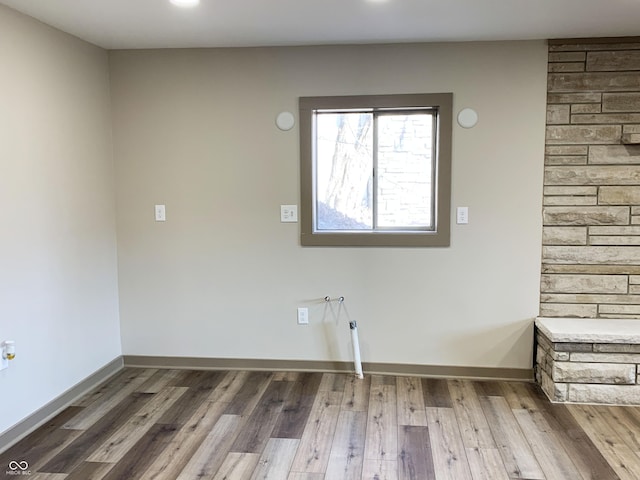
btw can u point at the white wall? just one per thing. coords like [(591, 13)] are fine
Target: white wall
[(194, 129), (58, 280)]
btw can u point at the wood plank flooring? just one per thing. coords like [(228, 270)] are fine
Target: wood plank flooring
[(234, 425)]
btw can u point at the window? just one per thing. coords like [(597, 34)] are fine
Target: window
[(376, 170)]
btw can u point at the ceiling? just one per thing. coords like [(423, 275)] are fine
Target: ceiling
[(120, 24)]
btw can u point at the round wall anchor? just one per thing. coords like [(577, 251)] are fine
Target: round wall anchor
[(285, 121), (467, 118)]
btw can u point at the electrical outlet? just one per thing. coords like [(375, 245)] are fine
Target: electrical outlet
[(7, 353), (303, 316), (288, 213)]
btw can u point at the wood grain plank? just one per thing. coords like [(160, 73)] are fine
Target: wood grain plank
[(248, 396), (486, 464), (518, 395), (122, 440), (42, 453), (436, 393), (449, 455), (275, 461), (305, 476), (109, 398), (380, 470), (381, 443), (200, 388), (36, 448), (585, 456), (199, 379), (90, 471), (286, 376), (485, 388), (553, 459), (624, 423), (114, 384), (410, 402), (263, 419), (213, 450), (85, 444), (471, 420), (333, 382), (415, 458), (47, 476), (138, 458), (356, 394), (185, 443), (519, 460), (634, 412), (315, 444), (297, 407), (622, 459), (347, 450), (237, 466), (159, 380), (383, 380), (184, 378), (229, 386)]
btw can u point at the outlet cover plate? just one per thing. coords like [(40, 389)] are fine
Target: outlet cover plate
[(288, 213)]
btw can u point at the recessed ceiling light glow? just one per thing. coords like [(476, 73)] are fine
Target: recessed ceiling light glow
[(185, 3)]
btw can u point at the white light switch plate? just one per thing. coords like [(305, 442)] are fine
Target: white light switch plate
[(303, 316), (161, 214), (462, 215), (288, 213)]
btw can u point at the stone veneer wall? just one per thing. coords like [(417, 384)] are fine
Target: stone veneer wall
[(606, 373), (591, 234)]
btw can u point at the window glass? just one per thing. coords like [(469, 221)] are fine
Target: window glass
[(344, 169), (405, 171)]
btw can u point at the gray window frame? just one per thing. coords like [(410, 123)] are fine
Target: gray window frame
[(442, 104)]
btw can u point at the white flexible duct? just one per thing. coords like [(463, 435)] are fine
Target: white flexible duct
[(356, 349), (353, 326)]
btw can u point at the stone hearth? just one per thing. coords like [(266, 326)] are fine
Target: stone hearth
[(586, 360)]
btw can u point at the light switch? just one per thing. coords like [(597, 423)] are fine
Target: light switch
[(303, 316), (160, 213), (462, 215), (288, 213)]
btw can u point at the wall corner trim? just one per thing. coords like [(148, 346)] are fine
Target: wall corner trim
[(26, 426)]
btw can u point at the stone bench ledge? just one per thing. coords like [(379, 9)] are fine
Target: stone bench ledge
[(589, 330)]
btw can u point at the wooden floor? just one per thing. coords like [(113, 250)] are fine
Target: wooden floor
[(179, 424)]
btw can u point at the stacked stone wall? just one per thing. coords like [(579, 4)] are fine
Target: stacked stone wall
[(602, 373), (591, 215)]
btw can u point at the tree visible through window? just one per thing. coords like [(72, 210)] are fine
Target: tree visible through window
[(375, 170)]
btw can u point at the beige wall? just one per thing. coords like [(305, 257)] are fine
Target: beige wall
[(58, 282), (194, 129)]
